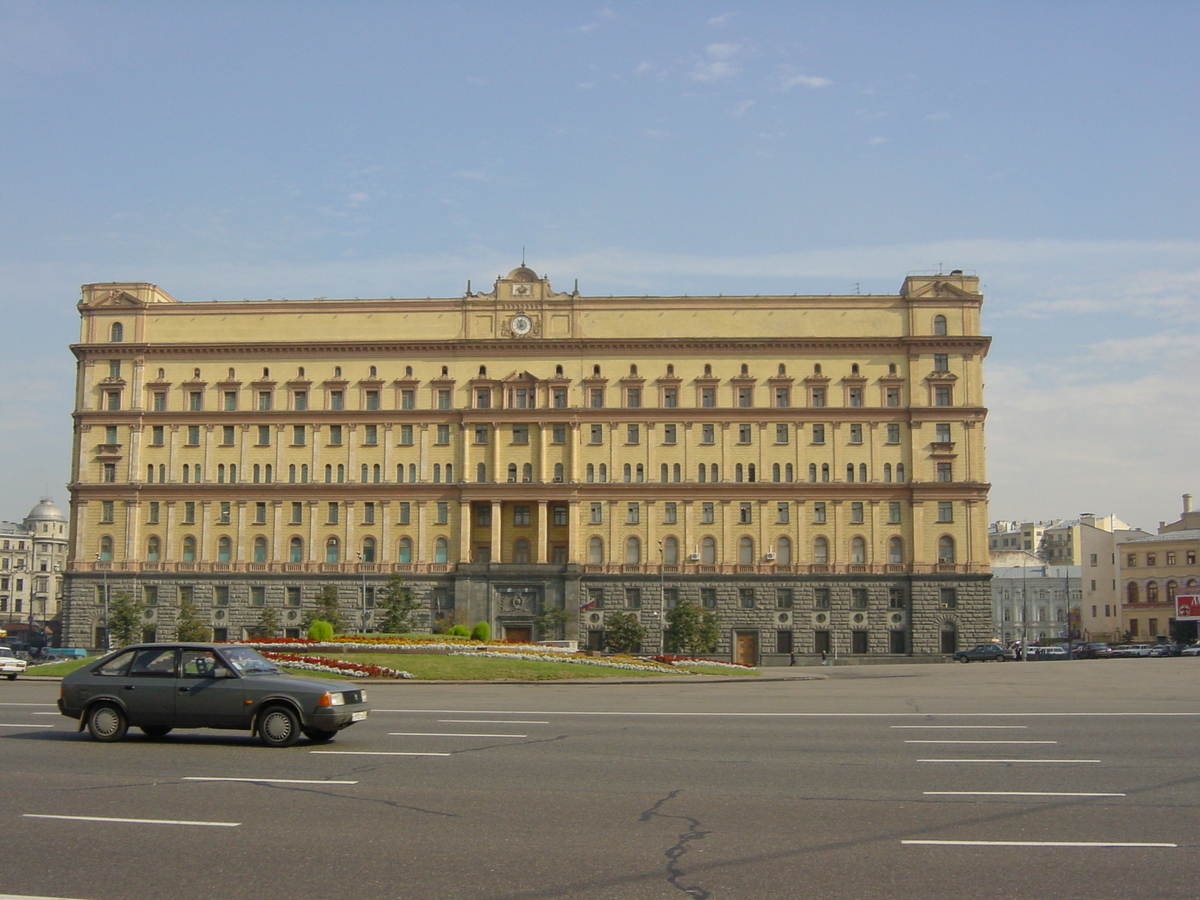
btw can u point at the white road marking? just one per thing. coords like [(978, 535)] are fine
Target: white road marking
[(793, 715), (133, 821), (981, 742), (373, 753), (958, 726), (493, 722), (1019, 794), (43, 714), (973, 760), (1039, 844), (449, 734), (24, 704), (268, 780), (28, 897), (22, 725)]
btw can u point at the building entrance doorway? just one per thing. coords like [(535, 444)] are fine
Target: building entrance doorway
[(745, 648)]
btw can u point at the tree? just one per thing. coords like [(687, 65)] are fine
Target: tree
[(397, 603), (623, 633), (552, 623), (188, 626), (267, 625), (124, 618), (690, 629), (327, 609)]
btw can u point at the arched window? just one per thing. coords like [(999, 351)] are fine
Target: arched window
[(782, 369), (745, 369), (187, 471), (789, 473), (412, 472), (296, 550), (896, 551), (858, 551), (333, 551), (527, 473), (639, 473), (776, 472), (329, 473), (633, 370), (304, 473), (663, 472), (670, 551), (862, 471), (162, 472), (341, 474), (404, 552), (260, 549), (512, 473), (1152, 592), (270, 473), (603, 473), (900, 472), (153, 549), (368, 550), (850, 472), (939, 325), (590, 473), (783, 551), (256, 473), (821, 551), (558, 473), (224, 549), (945, 549), (633, 551), (887, 472), (292, 473), (701, 473), (670, 369), (816, 368), (751, 473), (745, 551), (116, 332), (481, 473), (812, 472), (708, 370), (595, 550), (376, 473), (337, 371), (189, 549), (150, 474), (1131, 592), (374, 372), (441, 550), (628, 473), (824, 471), (521, 552), (1172, 589), (221, 473), (437, 473), (737, 473), (708, 551), (854, 368), (677, 472), (364, 473)]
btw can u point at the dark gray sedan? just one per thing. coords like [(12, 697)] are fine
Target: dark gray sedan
[(159, 687)]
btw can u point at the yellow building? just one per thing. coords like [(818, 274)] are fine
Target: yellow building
[(811, 468)]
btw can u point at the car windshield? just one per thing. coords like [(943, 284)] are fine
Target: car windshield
[(250, 662)]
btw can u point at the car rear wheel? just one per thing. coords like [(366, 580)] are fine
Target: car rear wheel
[(106, 722), (319, 735), (156, 731), (278, 727), (1000, 659), (12, 677), (964, 659)]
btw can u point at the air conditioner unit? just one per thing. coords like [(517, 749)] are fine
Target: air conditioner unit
[(512, 479), (769, 557), (693, 557), (558, 479), (526, 480)]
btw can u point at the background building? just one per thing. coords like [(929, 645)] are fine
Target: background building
[(810, 468), (1154, 568), (1033, 601), (33, 558)]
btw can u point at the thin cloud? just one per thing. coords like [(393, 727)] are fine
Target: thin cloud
[(808, 81), (719, 66)]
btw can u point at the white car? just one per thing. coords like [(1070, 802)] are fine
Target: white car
[(1193, 650), (10, 664), (1132, 650)]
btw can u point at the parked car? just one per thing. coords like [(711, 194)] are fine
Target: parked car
[(997, 652), (1051, 651), (1193, 650), (1167, 649), (1091, 650), (1131, 650), (160, 687), (11, 665)]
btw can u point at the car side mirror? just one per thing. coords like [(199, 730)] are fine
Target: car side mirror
[(222, 672)]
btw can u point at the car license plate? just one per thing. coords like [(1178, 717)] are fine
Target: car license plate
[(358, 716)]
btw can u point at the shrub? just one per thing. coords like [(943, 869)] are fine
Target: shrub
[(458, 631), (320, 630), (481, 632)]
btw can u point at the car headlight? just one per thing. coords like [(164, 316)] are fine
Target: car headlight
[(329, 699)]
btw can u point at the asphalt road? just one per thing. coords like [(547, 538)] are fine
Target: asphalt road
[(1051, 779)]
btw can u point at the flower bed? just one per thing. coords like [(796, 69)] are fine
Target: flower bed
[(699, 661), (611, 662), (439, 644), (335, 666)]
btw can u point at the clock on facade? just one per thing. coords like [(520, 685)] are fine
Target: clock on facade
[(521, 324)]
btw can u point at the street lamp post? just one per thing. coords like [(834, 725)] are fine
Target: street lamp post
[(363, 571), (662, 598)]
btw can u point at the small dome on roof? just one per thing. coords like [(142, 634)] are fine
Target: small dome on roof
[(523, 273), (47, 510)]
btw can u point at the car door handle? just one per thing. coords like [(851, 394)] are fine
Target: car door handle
[(128, 687), (184, 690)]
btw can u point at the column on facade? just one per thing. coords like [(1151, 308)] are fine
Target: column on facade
[(611, 539), (464, 531), (423, 454), (543, 531), (920, 540), (204, 551), (422, 522), (494, 454), (280, 436), (131, 531), (243, 444), (136, 380), (168, 544), (573, 549), (207, 455), (277, 549), (496, 528), (351, 554), (135, 452), (240, 546), (573, 462), (352, 473), (727, 551), (172, 450), (383, 551), (388, 475), (313, 508), (542, 476)]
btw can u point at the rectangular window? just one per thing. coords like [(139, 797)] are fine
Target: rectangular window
[(160, 401), (521, 515), (948, 598), (481, 434), (558, 433), (483, 398), (944, 472), (293, 596), (781, 433), (745, 513), (442, 435), (297, 512), (112, 400), (893, 512), (669, 434), (155, 508), (897, 598), (941, 432), (264, 435), (819, 512), (150, 594), (746, 597), (858, 598), (226, 510), (783, 397), (371, 399), (597, 434), (818, 433), (193, 436), (114, 368), (298, 436), (670, 512), (331, 517), (596, 398), (106, 512), (229, 399), (942, 395), (633, 434), (707, 514), (856, 512), (221, 595), (227, 435), (892, 396), (1151, 559), (941, 362), (299, 400), (821, 598), (633, 514), (443, 513), (404, 513), (258, 595), (633, 598), (893, 433), (670, 398), (156, 435), (708, 397), (195, 400), (855, 396), (1131, 560), (708, 434), (260, 513), (110, 434), (408, 399), (483, 515), (189, 512), (406, 435), (856, 433), (818, 397), (783, 642), (370, 435), (264, 400), (186, 593), (783, 513), (670, 597), (443, 398), (369, 513), (336, 400), (558, 397), (745, 397), (633, 397), (1171, 558), (784, 598), (708, 598), (597, 514), (519, 398), (745, 434), (945, 511), (559, 515), (596, 598)]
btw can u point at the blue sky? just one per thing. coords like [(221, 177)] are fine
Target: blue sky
[(297, 149)]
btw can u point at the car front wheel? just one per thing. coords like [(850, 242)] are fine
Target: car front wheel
[(319, 735), (106, 722), (156, 731), (964, 659), (278, 727)]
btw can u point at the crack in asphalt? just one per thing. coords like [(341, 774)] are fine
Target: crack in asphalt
[(676, 853)]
